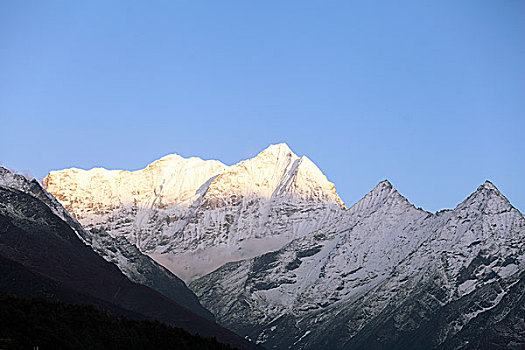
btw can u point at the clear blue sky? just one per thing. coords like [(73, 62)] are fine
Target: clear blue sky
[(429, 94)]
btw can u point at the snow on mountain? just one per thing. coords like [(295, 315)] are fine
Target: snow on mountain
[(193, 215), (133, 264), (387, 275), (42, 256), (315, 271), (273, 253), (274, 173), (93, 194)]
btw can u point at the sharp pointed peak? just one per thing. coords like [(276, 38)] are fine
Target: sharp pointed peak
[(487, 188), (384, 193), (276, 151), (278, 148), (488, 185), (385, 187), (487, 197), (384, 184)]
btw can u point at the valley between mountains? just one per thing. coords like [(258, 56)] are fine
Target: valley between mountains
[(268, 250)]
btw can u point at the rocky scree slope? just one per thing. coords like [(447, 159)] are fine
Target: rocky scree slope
[(193, 215)]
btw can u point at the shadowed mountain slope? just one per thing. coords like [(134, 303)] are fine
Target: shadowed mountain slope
[(54, 263)]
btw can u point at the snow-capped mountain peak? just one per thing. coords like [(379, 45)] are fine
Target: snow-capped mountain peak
[(259, 176), (208, 212), (487, 199), (274, 173), (383, 194), (384, 272), (171, 180), (489, 185), (277, 150)]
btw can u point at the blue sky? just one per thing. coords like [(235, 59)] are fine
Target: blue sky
[(429, 94)]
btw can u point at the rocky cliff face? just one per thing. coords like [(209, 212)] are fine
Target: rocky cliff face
[(386, 276), (193, 215)]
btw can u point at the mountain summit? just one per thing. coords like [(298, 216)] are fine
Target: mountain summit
[(385, 276), (273, 173), (193, 215)]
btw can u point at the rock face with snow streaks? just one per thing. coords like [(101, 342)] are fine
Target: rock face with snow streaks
[(194, 215), (387, 276), (271, 250)]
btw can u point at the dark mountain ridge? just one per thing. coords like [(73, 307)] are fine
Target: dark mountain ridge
[(52, 262)]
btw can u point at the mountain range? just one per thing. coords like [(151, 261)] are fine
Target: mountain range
[(390, 276), (193, 215), (270, 249)]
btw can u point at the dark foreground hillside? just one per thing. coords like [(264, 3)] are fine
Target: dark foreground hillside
[(27, 323), (42, 256)]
